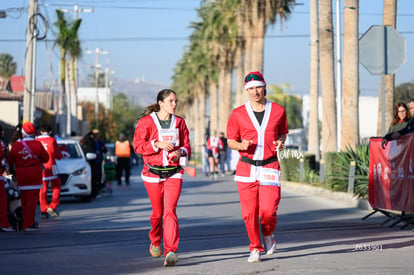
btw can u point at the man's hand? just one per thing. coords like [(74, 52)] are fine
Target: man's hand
[(244, 145), (279, 144)]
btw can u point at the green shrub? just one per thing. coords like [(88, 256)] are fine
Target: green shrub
[(289, 169), (338, 172)]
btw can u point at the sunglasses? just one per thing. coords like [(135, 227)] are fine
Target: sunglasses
[(249, 77)]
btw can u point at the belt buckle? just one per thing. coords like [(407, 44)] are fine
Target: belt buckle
[(258, 162)]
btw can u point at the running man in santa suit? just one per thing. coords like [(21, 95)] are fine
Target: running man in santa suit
[(27, 155), (257, 130), (163, 138), (50, 173)]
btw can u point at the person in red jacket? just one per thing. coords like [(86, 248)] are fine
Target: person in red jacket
[(163, 140), (50, 173), (27, 155), (257, 130)]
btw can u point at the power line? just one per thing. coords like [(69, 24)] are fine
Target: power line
[(166, 38)]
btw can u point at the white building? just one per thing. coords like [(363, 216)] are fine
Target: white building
[(368, 114), (91, 94)]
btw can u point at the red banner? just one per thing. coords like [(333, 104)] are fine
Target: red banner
[(391, 174)]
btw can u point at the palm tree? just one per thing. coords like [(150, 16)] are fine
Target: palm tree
[(62, 41), (74, 50), (7, 68), (350, 84), (326, 49), (68, 41), (313, 136), (259, 15), (389, 19)]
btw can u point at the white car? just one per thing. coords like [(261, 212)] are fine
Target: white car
[(74, 171)]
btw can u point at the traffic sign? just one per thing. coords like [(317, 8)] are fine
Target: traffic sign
[(382, 50)]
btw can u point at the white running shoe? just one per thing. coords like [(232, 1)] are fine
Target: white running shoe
[(254, 256), (269, 244)]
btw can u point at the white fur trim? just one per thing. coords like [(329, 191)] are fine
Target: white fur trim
[(254, 83)]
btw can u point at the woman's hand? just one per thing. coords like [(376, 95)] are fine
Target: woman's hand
[(165, 145), (175, 155)]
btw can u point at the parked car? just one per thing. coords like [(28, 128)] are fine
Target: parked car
[(74, 171)]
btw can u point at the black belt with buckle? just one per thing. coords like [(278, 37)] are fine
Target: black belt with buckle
[(164, 171), (258, 162)]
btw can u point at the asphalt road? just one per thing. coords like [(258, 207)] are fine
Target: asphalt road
[(109, 235)]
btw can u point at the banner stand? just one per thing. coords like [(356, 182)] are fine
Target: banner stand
[(391, 180)]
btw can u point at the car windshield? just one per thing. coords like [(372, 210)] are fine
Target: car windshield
[(74, 151)]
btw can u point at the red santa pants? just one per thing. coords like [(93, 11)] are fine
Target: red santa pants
[(30, 199), (54, 203), (4, 221), (164, 198), (255, 200)]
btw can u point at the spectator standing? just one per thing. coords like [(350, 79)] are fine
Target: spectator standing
[(223, 154), (163, 138), (50, 173), (28, 156), (257, 130), (400, 118), (100, 151), (398, 130), (123, 159), (88, 144)]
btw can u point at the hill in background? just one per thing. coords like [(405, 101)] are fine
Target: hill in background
[(139, 91)]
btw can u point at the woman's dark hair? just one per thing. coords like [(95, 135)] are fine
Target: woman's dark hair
[(156, 107), (396, 118)]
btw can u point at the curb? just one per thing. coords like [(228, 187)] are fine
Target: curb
[(346, 198)]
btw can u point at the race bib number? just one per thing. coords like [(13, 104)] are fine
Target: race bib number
[(269, 176), (169, 135)]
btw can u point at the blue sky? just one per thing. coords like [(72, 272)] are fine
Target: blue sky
[(147, 38)]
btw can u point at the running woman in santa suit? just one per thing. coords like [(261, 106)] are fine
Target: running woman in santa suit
[(257, 130), (163, 139)]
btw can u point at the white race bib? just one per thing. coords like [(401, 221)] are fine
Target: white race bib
[(169, 135), (269, 176)]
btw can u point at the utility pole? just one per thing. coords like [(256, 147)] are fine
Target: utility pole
[(97, 66), (72, 95), (338, 73), (30, 65)]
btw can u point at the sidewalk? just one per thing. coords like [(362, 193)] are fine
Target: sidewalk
[(346, 198)]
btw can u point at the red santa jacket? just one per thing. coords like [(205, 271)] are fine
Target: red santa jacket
[(149, 131), (49, 143), (243, 125), (28, 156)]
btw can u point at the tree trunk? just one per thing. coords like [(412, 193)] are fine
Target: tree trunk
[(225, 100), (213, 106), (258, 33), (313, 141), (221, 99), (241, 95), (350, 84), (74, 98), (62, 99), (329, 132), (389, 19)]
